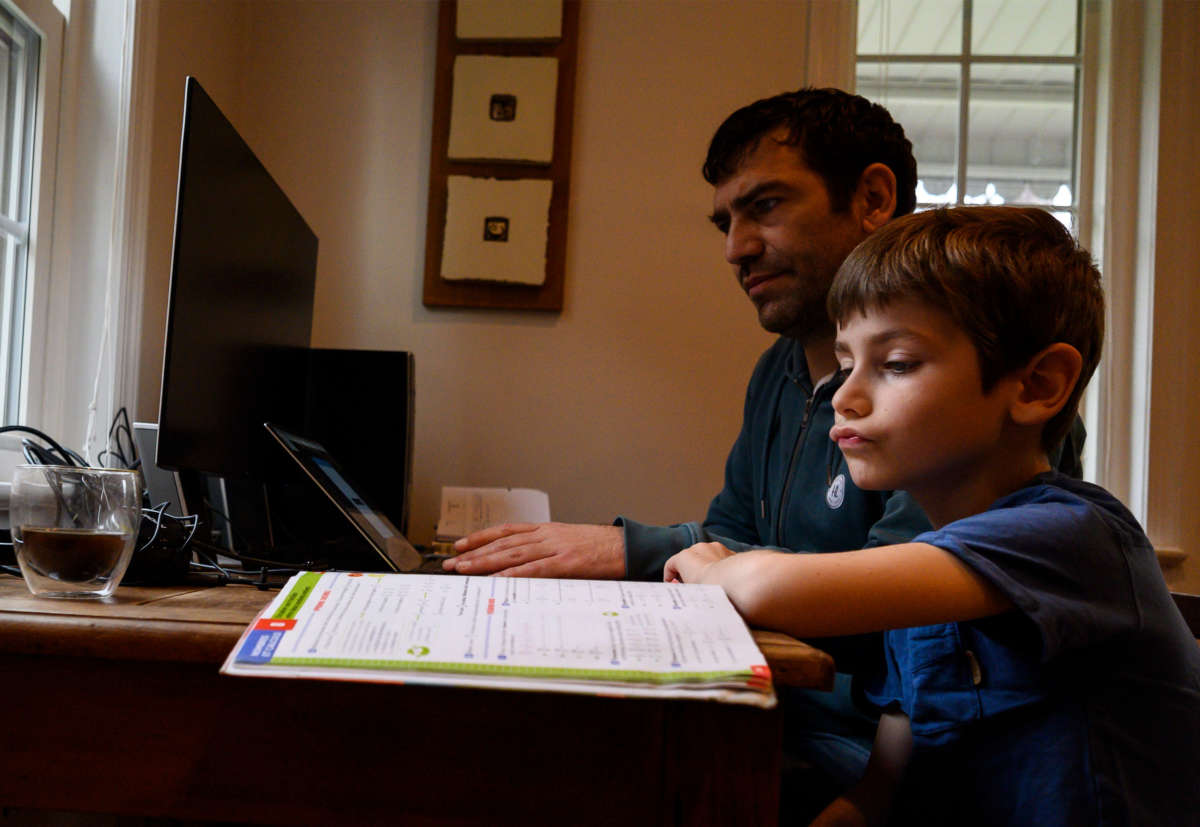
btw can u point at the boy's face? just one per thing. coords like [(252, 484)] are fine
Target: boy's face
[(783, 238), (912, 413)]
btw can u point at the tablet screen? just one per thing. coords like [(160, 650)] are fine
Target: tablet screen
[(371, 523)]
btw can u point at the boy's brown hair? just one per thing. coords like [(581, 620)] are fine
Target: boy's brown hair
[(1012, 278)]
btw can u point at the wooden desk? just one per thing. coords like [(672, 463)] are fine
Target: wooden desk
[(117, 707)]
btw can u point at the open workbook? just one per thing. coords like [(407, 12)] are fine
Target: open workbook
[(583, 636)]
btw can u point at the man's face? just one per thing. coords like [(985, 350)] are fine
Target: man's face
[(783, 239)]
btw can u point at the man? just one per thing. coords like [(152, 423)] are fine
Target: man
[(799, 179)]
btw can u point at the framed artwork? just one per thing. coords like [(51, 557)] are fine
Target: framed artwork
[(502, 109), (500, 159), (496, 228)]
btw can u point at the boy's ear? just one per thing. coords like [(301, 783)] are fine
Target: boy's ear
[(876, 196), (1046, 383)]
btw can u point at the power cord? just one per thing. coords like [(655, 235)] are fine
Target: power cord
[(119, 428), (36, 454)]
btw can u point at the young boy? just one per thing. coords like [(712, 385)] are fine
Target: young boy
[(1034, 662)]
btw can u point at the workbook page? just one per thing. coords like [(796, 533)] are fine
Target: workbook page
[(643, 635)]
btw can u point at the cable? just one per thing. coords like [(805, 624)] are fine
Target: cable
[(121, 426), (156, 515), (235, 535), (162, 551), (64, 456), (229, 575)]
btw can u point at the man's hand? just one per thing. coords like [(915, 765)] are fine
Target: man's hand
[(692, 564), (542, 550)]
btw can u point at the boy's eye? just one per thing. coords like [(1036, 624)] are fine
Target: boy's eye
[(842, 373)]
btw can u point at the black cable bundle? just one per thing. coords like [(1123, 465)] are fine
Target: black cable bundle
[(161, 555), (166, 543)]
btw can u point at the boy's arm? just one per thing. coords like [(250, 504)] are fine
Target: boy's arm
[(843, 593)]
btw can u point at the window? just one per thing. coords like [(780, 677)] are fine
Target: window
[(988, 93), (20, 49)]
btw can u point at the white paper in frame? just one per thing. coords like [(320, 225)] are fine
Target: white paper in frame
[(502, 108), (496, 230), (509, 20)]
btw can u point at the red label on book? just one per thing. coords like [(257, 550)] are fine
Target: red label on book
[(275, 624)]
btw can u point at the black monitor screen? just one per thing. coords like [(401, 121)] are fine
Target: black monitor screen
[(239, 314)]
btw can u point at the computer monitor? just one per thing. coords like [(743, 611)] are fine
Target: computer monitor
[(237, 355), (239, 314)]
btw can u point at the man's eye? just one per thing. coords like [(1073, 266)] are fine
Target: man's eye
[(765, 205), (897, 367), (843, 373)]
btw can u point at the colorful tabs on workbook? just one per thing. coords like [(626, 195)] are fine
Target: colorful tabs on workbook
[(263, 639)]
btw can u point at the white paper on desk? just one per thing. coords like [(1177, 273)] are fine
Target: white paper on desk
[(465, 510), (666, 640)]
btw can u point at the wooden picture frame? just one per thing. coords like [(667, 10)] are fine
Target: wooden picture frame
[(483, 292)]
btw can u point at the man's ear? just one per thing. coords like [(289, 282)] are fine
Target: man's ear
[(876, 196), (1046, 383)]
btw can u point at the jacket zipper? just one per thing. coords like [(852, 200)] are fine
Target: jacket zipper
[(787, 482)]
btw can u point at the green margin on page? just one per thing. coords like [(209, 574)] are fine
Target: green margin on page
[(631, 675), (294, 601)]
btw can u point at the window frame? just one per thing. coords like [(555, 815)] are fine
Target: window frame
[(1099, 450), (965, 58), (1135, 63), (16, 144), (26, 359)]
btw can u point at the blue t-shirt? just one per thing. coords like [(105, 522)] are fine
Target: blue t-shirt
[(1081, 705)]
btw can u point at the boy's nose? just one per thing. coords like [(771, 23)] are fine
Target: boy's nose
[(850, 400)]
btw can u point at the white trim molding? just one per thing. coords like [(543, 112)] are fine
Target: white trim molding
[(1145, 236), (131, 202), (832, 44), (1122, 240), (86, 308)]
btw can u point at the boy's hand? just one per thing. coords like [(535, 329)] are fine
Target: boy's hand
[(691, 564)]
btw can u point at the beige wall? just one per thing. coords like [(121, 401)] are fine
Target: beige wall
[(199, 39), (1173, 513), (627, 401)]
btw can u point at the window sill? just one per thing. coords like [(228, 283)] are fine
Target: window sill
[(1168, 557)]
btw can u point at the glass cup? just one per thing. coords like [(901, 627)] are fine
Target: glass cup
[(74, 528)]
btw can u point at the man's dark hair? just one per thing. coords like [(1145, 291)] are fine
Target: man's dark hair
[(838, 134)]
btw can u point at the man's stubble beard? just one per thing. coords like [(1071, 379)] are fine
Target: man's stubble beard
[(802, 317)]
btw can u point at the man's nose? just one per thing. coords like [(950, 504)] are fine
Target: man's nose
[(743, 243)]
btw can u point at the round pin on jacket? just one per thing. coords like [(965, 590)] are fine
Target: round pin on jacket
[(836, 492)]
